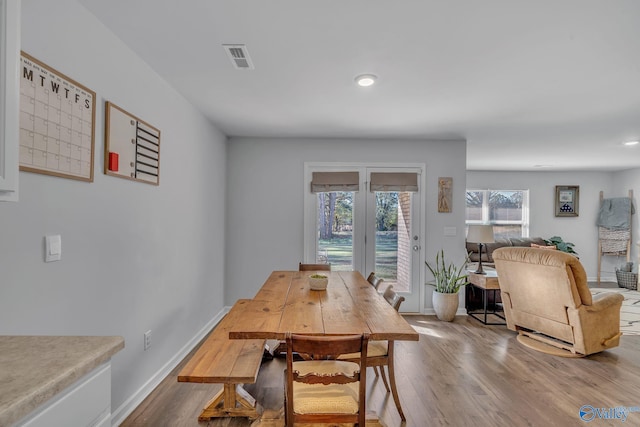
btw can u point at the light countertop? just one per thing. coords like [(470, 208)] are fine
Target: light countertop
[(34, 369)]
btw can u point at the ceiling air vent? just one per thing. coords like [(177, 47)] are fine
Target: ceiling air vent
[(239, 56)]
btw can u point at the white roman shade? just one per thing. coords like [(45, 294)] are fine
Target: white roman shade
[(394, 181), (322, 182)]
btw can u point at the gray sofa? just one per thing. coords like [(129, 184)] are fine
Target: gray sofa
[(488, 248)]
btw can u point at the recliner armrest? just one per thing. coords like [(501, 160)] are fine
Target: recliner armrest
[(597, 326), (605, 301)]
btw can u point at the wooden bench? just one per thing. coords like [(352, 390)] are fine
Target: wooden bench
[(229, 362)]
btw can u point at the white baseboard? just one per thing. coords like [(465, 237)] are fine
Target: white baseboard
[(130, 404)]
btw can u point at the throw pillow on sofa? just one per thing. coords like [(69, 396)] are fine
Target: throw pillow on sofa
[(552, 247)]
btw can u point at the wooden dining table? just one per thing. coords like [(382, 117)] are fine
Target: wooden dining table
[(349, 305)]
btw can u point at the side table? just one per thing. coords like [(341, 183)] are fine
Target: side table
[(486, 283)]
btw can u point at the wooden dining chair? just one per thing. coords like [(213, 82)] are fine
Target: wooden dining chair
[(374, 280), (323, 389), (380, 354), (393, 298), (314, 267)]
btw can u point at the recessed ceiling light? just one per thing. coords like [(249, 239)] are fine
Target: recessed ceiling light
[(632, 143), (365, 80), (541, 166)]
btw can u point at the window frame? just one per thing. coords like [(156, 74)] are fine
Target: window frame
[(524, 222)]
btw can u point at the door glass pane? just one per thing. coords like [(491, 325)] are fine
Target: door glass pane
[(393, 239), (335, 230)]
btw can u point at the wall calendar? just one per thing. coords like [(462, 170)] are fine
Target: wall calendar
[(57, 122)]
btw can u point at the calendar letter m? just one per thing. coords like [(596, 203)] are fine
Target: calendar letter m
[(27, 74)]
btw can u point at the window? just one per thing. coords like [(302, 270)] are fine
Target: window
[(335, 229), (335, 193), (507, 210)]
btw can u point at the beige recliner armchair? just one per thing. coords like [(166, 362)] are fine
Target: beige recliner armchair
[(547, 301)]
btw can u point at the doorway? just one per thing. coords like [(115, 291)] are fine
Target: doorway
[(367, 218)]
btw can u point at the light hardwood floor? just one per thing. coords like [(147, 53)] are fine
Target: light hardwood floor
[(461, 373)]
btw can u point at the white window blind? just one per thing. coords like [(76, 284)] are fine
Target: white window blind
[(394, 181)]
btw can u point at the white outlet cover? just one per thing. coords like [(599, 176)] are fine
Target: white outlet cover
[(147, 339)]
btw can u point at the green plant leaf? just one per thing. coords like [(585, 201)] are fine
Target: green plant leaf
[(561, 245), (447, 278)]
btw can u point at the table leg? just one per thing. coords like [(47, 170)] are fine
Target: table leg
[(485, 299), (484, 318), (495, 304), (231, 401), (392, 379)]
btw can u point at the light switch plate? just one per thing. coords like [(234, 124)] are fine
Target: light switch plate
[(450, 231), (52, 248)]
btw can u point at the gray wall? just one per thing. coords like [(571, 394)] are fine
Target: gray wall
[(138, 257), (134, 256), (580, 230), (265, 199)]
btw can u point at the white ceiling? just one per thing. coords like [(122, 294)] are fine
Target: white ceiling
[(526, 83)]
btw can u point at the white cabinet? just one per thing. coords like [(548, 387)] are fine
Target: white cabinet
[(56, 381), (87, 403), (9, 98)]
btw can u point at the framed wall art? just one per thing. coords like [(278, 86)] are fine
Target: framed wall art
[(445, 196), (57, 122), (567, 200), (132, 147)]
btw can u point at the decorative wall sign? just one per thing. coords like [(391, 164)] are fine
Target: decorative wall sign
[(567, 199), (445, 197), (132, 147), (57, 122)]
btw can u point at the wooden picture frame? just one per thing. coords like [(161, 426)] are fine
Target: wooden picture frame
[(567, 200), (445, 196), (57, 122), (131, 148)]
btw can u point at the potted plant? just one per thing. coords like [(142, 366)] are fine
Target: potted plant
[(318, 282), (561, 245), (447, 279)]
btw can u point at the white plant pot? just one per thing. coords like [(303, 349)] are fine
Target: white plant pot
[(318, 284), (445, 305)]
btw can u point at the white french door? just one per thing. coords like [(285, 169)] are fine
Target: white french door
[(392, 238), (369, 226)]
